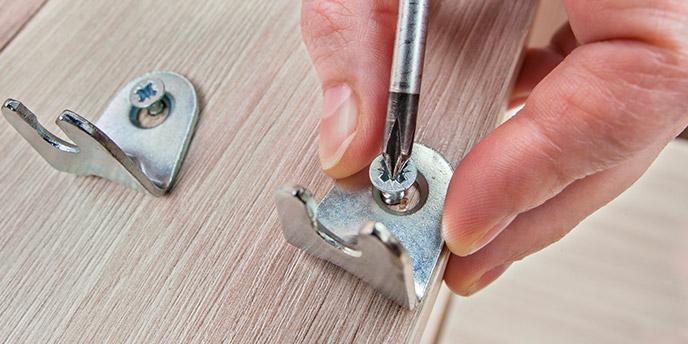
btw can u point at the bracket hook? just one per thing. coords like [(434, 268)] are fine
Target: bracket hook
[(397, 253), (119, 146)]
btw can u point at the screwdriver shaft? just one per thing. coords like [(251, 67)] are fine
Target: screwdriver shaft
[(405, 80)]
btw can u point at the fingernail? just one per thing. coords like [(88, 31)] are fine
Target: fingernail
[(490, 235), (337, 124), (488, 278)]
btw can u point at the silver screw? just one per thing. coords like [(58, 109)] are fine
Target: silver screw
[(392, 190), (148, 94)]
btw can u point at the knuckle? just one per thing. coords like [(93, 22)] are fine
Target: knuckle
[(601, 120), (641, 94), (622, 96)]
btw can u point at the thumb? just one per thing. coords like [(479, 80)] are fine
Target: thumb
[(351, 45)]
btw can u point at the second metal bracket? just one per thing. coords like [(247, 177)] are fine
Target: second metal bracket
[(118, 146)]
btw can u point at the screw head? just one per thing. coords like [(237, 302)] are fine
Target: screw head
[(147, 93), (392, 189)]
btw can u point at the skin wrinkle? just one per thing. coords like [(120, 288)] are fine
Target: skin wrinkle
[(660, 79), (602, 159), (549, 124), (661, 16), (594, 121), (541, 133), (611, 75), (626, 130), (326, 32), (336, 8), (341, 21)]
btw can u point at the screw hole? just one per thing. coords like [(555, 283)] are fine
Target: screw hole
[(142, 118), (414, 198)]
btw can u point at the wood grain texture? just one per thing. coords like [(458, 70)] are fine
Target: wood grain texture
[(83, 259), (13, 15), (620, 277)]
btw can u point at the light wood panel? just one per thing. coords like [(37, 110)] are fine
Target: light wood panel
[(620, 277), (85, 259), (13, 15)]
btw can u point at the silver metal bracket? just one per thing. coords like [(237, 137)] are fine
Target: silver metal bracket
[(398, 253), (139, 141)]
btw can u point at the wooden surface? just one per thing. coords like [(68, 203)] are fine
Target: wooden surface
[(85, 259), (13, 15), (620, 277)]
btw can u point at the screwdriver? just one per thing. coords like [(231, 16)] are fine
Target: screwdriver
[(392, 172), (404, 88)]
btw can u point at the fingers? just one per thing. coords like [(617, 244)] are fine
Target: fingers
[(539, 227), (351, 45), (606, 102), (659, 23), (538, 62)]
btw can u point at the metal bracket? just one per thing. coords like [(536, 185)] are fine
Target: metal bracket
[(142, 156), (398, 253)]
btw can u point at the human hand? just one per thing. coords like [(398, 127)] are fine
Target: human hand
[(603, 99)]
